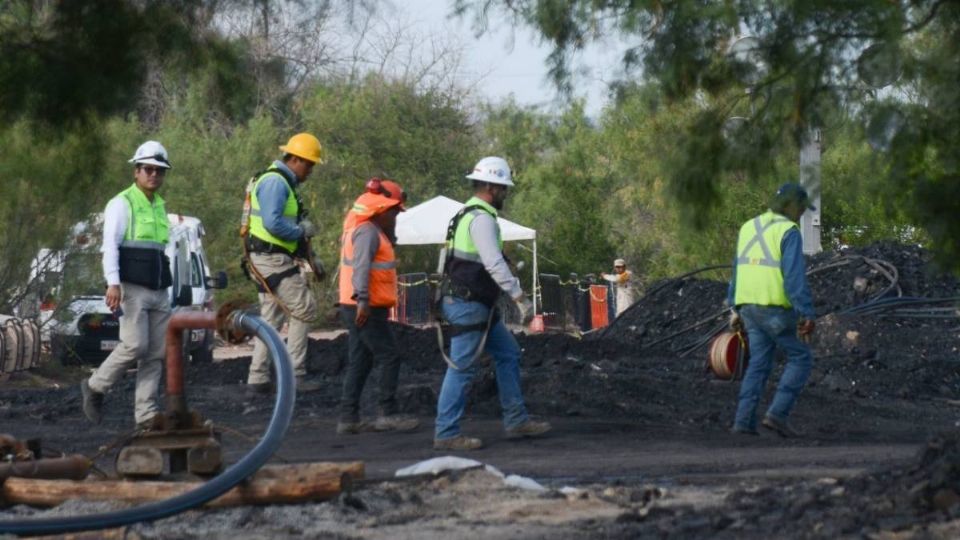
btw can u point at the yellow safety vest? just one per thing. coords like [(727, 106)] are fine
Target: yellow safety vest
[(142, 258), (291, 209), (148, 225), (759, 277)]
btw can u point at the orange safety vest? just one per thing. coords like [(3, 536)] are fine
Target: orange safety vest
[(383, 269)]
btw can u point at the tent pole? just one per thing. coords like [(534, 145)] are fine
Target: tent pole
[(536, 276)]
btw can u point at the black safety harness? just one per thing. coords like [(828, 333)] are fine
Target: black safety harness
[(450, 288)]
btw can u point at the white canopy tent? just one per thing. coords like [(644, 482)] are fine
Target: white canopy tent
[(426, 223)]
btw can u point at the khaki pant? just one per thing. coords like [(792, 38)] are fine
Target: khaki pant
[(143, 328), (296, 296)]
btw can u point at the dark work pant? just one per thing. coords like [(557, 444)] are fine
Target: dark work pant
[(373, 342)]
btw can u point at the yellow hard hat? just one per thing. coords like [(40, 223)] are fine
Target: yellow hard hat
[(304, 145)]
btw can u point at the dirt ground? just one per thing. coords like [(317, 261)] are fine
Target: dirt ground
[(640, 446)]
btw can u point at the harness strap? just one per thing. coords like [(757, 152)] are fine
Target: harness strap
[(272, 282)]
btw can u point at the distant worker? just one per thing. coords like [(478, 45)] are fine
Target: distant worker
[(137, 271), (278, 237), (368, 289), (771, 298), (624, 283), (475, 274)]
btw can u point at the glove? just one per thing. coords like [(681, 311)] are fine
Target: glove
[(736, 324), (308, 228), (526, 310), (805, 327), (319, 271)]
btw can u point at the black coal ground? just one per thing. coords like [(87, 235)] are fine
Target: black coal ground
[(875, 379)]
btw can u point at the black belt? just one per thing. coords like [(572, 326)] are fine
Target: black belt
[(257, 245)]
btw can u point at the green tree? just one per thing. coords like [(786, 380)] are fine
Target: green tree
[(804, 60), (386, 128)]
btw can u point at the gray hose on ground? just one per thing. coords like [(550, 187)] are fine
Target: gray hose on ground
[(238, 472)]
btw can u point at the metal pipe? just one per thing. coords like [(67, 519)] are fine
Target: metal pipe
[(176, 399), (238, 472), (74, 467)]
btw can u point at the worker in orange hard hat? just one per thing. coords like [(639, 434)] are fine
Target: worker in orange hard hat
[(368, 289), (278, 237)]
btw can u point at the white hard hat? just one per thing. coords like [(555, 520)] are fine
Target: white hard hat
[(619, 262), (151, 153), (493, 170)]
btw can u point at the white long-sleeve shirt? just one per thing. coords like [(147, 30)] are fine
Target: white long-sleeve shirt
[(624, 285), (115, 220), (485, 234)]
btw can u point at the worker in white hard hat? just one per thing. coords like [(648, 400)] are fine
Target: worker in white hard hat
[(137, 271), (278, 239), (624, 283), (476, 273)]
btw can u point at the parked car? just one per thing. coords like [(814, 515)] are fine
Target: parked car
[(82, 329)]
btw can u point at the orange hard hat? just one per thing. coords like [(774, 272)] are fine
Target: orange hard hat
[(388, 188)]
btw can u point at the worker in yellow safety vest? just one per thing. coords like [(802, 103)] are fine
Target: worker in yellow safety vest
[(278, 228), (771, 299), (476, 275), (137, 272)]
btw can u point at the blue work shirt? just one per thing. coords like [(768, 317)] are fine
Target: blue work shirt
[(272, 194), (793, 267)]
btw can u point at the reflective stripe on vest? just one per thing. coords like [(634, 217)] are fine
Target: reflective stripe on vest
[(147, 226), (290, 211), (382, 281), (759, 277)]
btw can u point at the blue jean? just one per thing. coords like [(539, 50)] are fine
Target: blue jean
[(506, 354), (769, 327)]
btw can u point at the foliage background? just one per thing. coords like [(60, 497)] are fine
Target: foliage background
[(221, 85)]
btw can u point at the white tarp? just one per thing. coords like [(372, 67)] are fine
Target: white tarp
[(426, 223)]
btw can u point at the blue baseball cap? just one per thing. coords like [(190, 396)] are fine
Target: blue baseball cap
[(793, 192)]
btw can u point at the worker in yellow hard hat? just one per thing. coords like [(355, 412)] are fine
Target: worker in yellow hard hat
[(278, 236)]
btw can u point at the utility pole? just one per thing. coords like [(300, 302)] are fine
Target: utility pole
[(810, 180)]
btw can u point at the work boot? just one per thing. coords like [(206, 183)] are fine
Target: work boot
[(149, 424), (395, 422), (457, 443), (782, 427), (304, 385), (257, 389), (92, 402), (740, 430), (352, 427), (530, 428)]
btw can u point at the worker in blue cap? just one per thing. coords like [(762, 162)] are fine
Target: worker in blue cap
[(771, 299)]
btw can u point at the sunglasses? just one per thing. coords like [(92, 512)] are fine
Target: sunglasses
[(149, 171)]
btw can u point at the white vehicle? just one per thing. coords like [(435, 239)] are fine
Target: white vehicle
[(84, 329)]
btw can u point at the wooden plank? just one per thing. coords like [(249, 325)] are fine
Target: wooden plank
[(279, 484), (292, 472)]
